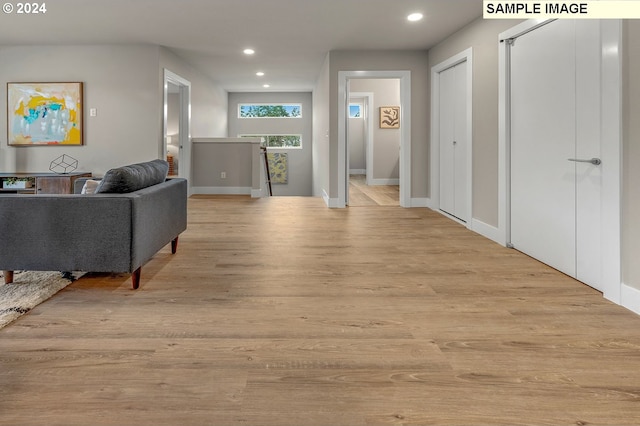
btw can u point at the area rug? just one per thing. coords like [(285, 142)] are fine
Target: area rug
[(29, 289)]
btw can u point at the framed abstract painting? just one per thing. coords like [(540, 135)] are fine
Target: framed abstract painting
[(390, 117), (44, 114)]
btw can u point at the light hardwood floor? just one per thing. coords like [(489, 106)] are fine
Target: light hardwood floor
[(280, 311), (363, 195)]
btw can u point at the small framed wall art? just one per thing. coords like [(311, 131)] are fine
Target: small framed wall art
[(390, 117), (44, 114)]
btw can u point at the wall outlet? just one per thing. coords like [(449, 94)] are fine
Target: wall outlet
[(223, 175)]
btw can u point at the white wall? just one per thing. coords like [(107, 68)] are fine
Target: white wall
[(125, 84), (357, 141), (631, 155), (173, 113), (119, 81), (299, 160), (234, 159), (208, 100), (321, 159)]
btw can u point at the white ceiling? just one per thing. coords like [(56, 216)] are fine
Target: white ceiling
[(291, 37)]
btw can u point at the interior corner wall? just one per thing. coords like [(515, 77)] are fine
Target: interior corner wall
[(415, 61), (482, 36), (321, 130), (119, 81), (631, 154), (209, 101)]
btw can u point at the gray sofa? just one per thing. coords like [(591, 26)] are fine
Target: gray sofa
[(116, 230)]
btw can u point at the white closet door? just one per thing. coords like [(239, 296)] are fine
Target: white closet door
[(588, 145), (453, 141), (460, 142), (447, 136), (555, 115)]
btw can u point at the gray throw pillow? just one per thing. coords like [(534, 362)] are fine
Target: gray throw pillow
[(134, 177)]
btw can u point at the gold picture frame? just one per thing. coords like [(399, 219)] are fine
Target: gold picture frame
[(389, 117), (45, 114)]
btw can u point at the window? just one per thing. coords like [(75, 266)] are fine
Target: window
[(269, 110), (355, 111), (278, 141)]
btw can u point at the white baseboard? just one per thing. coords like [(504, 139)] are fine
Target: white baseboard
[(222, 190), (357, 171), (488, 231), (385, 182), (325, 197), (477, 226), (257, 193), (421, 202), (630, 298), (332, 203)]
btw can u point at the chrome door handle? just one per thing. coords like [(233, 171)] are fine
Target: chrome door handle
[(594, 161)]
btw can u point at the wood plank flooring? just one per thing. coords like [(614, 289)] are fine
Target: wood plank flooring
[(363, 195), (280, 311)]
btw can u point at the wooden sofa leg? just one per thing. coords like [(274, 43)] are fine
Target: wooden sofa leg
[(135, 278), (174, 245), (8, 277)]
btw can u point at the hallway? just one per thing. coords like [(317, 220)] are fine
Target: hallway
[(361, 194)]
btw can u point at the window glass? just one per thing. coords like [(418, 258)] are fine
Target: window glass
[(278, 141), (269, 111)]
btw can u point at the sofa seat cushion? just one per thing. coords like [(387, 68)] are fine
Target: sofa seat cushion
[(133, 177)]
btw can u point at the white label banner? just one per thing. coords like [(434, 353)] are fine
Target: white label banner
[(604, 9)]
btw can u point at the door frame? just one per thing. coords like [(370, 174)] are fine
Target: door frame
[(184, 156), (464, 56), (405, 131), (611, 152)]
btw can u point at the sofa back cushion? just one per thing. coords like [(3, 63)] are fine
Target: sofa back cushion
[(133, 177)]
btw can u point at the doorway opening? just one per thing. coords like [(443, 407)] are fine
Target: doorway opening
[(176, 143), (368, 161), (173, 129), (403, 146)]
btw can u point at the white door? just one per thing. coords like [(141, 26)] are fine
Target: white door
[(453, 140), (555, 120)]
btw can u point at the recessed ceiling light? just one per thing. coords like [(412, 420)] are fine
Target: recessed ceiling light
[(259, 73), (415, 17), (266, 86), (249, 51)]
